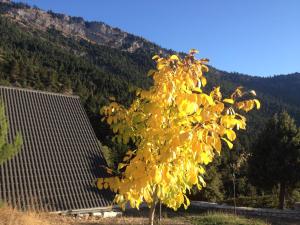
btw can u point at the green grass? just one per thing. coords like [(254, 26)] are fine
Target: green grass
[(225, 219)]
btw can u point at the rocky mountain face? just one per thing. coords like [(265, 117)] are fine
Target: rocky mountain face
[(95, 32), (108, 57)]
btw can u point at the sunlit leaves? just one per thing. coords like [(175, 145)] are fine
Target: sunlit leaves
[(257, 103), (248, 105), (177, 128), (228, 100), (230, 134), (174, 57), (230, 145)]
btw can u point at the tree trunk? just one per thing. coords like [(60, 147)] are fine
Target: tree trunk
[(153, 206), (152, 213), (159, 212), (234, 194), (282, 195)]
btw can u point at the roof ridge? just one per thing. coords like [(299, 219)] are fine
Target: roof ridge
[(39, 91)]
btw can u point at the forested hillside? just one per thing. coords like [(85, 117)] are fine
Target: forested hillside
[(48, 59)]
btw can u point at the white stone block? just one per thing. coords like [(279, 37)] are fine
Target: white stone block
[(97, 214), (111, 214)]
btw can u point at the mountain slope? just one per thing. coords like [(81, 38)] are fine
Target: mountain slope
[(75, 27), (54, 52), (277, 93)]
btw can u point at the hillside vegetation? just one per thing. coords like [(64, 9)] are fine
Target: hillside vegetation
[(47, 58)]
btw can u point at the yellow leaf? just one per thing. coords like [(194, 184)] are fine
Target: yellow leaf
[(160, 66), (237, 93), (155, 57), (121, 165), (147, 196), (174, 57), (230, 134), (257, 103), (202, 181), (100, 183), (109, 120), (228, 100), (197, 90), (230, 145), (158, 176), (183, 137), (218, 145), (201, 170), (207, 99), (204, 60), (105, 185), (193, 177), (187, 202), (203, 81), (246, 105), (205, 68)]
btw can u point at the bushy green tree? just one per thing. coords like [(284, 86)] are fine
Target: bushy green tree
[(275, 159), (7, 150)]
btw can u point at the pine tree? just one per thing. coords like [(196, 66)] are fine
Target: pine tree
[(275, 158), (7, 150)]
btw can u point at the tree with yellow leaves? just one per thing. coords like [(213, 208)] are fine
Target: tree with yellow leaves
[(177, 130)]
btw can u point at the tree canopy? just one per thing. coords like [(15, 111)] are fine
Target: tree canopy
[(176, 128)]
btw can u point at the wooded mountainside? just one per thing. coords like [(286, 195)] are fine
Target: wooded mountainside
[(49, 59)]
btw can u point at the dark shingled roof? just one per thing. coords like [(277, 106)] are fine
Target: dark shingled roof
[(60, 157)]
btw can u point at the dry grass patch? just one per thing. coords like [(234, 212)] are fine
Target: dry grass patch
[(9, 216)]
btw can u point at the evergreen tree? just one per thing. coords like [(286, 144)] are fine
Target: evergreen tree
[(213, 191), (7, 150), (276, 156)]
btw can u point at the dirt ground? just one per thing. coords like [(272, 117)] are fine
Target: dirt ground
[(10, 216), (170, 217)]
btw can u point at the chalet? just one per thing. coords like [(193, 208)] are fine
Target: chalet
[(60, 157)]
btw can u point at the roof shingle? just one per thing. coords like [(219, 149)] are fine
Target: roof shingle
[(60, 156)]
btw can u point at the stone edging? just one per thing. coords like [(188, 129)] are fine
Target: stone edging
[(287, 213)]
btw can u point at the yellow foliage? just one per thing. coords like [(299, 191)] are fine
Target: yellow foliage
[(177, 128)]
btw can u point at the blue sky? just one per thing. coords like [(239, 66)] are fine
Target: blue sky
[(256, 37)]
